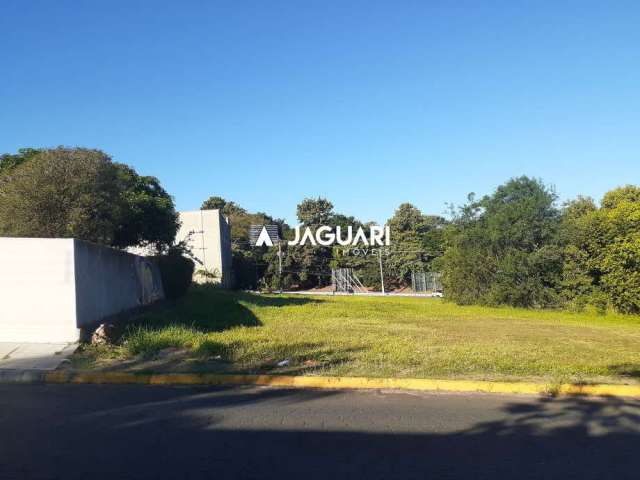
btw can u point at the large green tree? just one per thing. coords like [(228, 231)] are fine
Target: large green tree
[(578, 276), (416, 239), (309, 266), (313, 212), (505, 248), (81, 193), (148, 214), (602, 253)]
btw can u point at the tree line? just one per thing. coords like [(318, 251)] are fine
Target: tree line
[(417, 241), (515, 246)]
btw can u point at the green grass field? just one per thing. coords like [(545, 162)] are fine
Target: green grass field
[(222, 331)]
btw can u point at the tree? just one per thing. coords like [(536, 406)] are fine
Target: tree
[(213, 203), (239, 219), (505, 248), (621, 268), (315, 211), (309, 266), (219, 203), (602, 253), (629, 194), (81, 193), (417, 240), (148, 215), (577, 271)]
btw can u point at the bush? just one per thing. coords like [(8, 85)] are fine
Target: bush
[(176, 272)]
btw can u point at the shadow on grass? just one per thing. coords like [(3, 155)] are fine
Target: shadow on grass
[(171, 338), (209, 309), (167, 432), (631, 370), (273, 300), (215, 357), (299, 358)]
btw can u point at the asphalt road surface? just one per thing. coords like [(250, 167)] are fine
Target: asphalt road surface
[(138, 432)]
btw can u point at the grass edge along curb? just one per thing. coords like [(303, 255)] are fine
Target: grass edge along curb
[(417, 384)]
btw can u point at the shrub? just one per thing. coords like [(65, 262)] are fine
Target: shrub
[(176, 272)]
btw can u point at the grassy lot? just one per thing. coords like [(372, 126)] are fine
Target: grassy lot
[(373, 336)]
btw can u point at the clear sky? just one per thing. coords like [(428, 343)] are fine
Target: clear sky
[(367, 103)]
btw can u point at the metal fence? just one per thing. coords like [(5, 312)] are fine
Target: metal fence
[(426, 281)]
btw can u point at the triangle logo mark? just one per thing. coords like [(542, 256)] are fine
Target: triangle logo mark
[(264, 238)]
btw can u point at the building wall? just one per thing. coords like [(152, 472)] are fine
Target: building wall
[(50, 288), (37, 290), (207, 235)]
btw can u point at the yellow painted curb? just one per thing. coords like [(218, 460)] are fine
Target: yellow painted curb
[(341, 382)]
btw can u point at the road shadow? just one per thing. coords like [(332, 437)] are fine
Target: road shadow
[(138, 432)]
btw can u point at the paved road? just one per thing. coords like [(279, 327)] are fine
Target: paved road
[(137, 432)]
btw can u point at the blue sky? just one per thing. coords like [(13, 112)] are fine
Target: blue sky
[(369, 104)]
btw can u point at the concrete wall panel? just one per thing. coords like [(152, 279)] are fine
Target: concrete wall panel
[(207, 235), (37, 290), (50, 288), (110, 281)]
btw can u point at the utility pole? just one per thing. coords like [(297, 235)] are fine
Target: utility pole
[(280, 265), (381, 275)]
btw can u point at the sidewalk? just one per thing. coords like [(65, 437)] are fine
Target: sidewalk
[(34, 356)]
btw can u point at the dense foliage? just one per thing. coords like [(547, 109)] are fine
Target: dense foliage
[(515, 246), (602, 253), (417, 241), (81, 193), (176, 271), (505, 248)]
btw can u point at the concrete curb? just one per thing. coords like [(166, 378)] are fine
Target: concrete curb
[(415, 384), (22, 376)]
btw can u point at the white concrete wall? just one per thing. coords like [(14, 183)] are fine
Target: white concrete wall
[(50, 288), (207, 235), (37, 290), (110, 281)]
